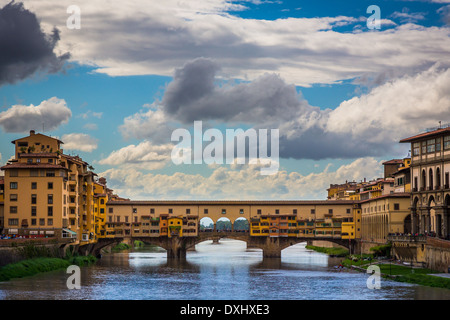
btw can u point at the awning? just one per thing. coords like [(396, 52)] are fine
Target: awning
[(70, 231)]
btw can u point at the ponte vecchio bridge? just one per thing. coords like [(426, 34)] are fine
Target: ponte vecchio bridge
[(178, 226)]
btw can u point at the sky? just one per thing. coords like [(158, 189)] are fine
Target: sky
[(114, 79)]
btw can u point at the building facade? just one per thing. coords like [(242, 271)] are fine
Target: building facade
[(430, 181)]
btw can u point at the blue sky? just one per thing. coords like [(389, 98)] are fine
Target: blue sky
[(337, 91)]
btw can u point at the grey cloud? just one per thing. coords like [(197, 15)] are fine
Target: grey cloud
[(51, 113), (24, 48), (195, 95)]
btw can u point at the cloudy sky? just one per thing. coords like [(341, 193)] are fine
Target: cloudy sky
[(341, 94)]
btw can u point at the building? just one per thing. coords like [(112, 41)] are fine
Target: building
[(430, 169), (382, 216), (48, 193)]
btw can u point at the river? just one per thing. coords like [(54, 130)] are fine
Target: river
[(225, 271)]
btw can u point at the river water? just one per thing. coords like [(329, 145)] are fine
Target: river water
[(225, 271)]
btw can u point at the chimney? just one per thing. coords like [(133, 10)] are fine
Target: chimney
[(364, 179), (32, 132)]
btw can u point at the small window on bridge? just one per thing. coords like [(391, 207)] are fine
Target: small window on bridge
[(224, 211), (205, 211), (259, 211), (241, 211)]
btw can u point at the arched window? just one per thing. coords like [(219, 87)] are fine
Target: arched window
[(424, 179), (438, 178), (430, 182)]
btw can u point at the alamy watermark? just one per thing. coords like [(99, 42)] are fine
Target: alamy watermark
[(74, 20), (374, 21), (232, 148), (374, 281), (74, 280)]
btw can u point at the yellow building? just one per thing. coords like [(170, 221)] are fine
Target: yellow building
[(47, 193), (388, 214)]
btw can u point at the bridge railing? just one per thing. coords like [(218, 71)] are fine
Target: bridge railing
[(407, 238)]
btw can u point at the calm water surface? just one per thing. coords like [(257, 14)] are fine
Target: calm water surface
[(227, 271)]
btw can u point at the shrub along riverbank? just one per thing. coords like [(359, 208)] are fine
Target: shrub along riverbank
[(420, 276), (34, 266), (37, 259)]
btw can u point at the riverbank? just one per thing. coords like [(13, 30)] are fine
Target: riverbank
[(333, 252), (400, 273), (34, 266)]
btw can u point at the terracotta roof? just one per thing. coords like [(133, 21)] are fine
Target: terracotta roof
[(391, 195), (426, 135), (32, 166), (393, 161), (36, 135)]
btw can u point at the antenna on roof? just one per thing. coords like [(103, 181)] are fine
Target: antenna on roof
[(440, 124)]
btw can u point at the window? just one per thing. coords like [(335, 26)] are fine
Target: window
[(241, 211), (416, 148), (50, 199), (33, 222), (431, 145), (447, 142), (110, 210), (277, 211), (50, 160), (259, 211), (13, 185), (33, 211), (330, 211), (224, 211), (29, 160), (134, 210), (49, 222), (102, 210), (188, 211), (13, 197), (152, 210), (313, 211), (348, 210), (294, 211), (102, 201), (396, 206), (13, 173), (50, 173), (170, 211), (205, 211), (50, 211), (13, 222), (50, 185), (33, 199), (42, 222), (13, 209), (118, 218)]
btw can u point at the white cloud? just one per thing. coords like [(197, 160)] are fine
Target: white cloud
[(155, 37), (79, 141), (145, 155), (91, 114), (51, 113), (237, 182)]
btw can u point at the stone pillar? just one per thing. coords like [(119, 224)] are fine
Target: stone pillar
[(414, 224), (272, 248), (176, 248), (440, 211)]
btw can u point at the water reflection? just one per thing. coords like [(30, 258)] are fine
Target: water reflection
[(227, 270)]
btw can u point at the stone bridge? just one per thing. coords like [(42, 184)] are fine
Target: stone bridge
[(177, 247)]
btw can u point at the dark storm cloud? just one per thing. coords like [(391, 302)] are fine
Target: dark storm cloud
[(194, 94), (24, 48)]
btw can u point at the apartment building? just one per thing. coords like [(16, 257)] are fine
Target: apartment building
[(48, 193)]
